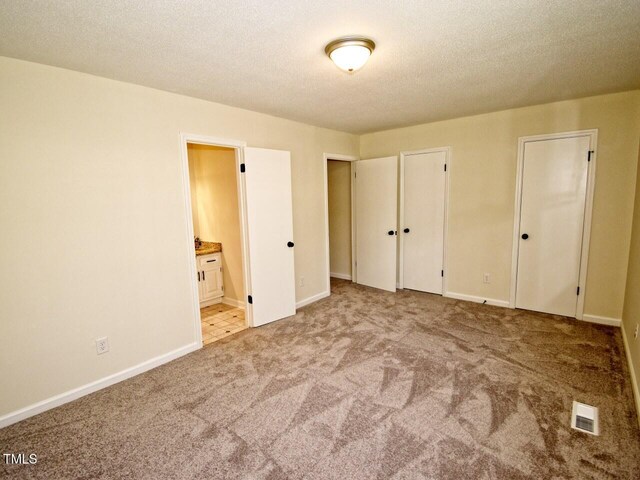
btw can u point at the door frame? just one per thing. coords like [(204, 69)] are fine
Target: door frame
[(238, 147), (340, 158), (447, 189), (588, 211)]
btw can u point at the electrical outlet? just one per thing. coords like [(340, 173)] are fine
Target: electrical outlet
[(635, 332), (486, 278), (102, 345), (302, 281)]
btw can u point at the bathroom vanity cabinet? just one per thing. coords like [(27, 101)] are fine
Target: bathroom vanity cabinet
[(210, 286)]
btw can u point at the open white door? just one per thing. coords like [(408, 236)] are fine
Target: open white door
[(270, 234), (376, 188)]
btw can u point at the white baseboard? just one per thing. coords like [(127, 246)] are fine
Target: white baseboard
[(76, 393), (472, 298), (632, 371), (208, 303), (314, 298), (343, 276), (233, 302), (614, 322)]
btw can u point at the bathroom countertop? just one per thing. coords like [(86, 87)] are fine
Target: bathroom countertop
[(208, 248)]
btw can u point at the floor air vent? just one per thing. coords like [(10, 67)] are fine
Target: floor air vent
[(585, 418)]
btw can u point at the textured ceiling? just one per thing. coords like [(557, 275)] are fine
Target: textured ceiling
[(434, 59)]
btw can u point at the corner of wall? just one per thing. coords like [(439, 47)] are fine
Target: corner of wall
[(631, 311)]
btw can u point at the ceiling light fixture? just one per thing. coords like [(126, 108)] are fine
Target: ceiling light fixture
[(350, 53)]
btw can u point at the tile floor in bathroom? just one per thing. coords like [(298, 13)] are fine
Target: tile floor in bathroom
[(221, 320)]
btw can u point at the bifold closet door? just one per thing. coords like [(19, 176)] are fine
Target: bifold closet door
[(554, 187), (376, 192), (424, 179), (269, 213)]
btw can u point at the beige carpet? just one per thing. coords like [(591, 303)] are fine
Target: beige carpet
[(362, 385)]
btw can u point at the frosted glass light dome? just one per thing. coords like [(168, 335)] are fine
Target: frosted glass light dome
[(350, 53)]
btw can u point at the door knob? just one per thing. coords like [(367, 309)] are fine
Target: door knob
[(525, 236), (406, 230), (390, 232), (290, 244)]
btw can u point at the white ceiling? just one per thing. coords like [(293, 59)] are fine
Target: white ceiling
[(435, 59)]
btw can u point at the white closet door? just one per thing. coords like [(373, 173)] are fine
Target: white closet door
[(270, 224), (376, 188), (554, 185), (423, 225)]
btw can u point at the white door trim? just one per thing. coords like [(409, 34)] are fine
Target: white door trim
[(447, 152), (586, 234), (238, 145), (342, 158)]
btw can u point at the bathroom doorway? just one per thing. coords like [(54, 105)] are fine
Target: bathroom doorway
[(215, 212), (264, 209)]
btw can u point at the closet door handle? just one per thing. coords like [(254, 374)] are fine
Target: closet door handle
[(390, 232), (290, 244), (406, 230), (203, 275), (525, 236), (198, 276)]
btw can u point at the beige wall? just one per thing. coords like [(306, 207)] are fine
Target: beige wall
[(217, 209), (193, 188), (483, 173), (631, 314), (94, 225), (339, 188)]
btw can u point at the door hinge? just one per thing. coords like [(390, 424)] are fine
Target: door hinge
[(445, 167), (250, 300), (442, 273), (242, 168), (578, 291), (589, 155)]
